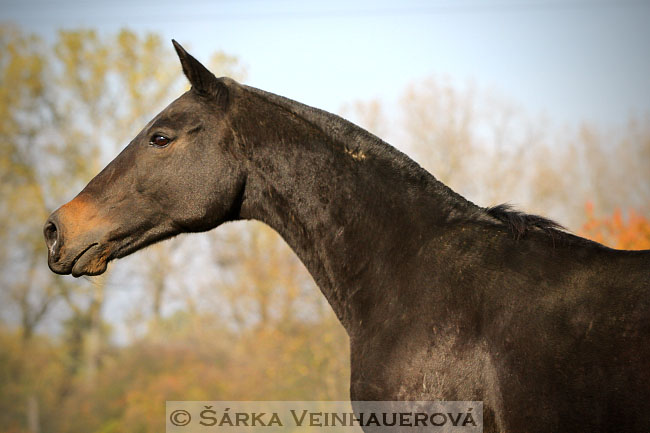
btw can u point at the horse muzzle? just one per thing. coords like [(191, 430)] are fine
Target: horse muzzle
[(73, 235)]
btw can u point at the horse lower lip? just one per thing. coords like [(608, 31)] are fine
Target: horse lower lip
[(82, 260)]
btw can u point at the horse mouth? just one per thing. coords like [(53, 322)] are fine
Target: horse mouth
[(90, 261)]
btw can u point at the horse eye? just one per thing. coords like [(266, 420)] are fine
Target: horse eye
[(159, 140)]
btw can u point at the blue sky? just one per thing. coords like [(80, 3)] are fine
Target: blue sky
[(571, 60)]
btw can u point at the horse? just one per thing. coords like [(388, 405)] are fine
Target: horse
[(442, 299)]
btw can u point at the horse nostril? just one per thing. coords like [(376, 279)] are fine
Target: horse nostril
[(51, 236)]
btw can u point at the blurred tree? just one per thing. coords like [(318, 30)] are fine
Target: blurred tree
[(26, 286), (61, 109), (21, 94)]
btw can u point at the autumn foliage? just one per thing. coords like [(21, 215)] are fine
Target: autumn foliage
[(623, 230)]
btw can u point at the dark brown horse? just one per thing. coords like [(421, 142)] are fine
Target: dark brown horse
[(442, 299)]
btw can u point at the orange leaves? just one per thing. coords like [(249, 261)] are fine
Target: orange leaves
[(629, 230)]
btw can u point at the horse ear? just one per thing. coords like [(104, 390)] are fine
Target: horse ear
[(202, 80)]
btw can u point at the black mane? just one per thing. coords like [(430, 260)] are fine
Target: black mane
[(521, 222)]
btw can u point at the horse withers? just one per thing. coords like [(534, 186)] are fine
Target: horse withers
[(442, 299)]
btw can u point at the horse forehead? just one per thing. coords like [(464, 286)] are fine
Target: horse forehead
[(181, 106), (180, 111), (175, 118)]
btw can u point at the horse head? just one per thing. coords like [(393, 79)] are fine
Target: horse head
[(179, 174)]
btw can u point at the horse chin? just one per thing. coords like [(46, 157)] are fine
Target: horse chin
[(93, 261)]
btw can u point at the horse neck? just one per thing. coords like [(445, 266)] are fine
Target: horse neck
[(346, 202)]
